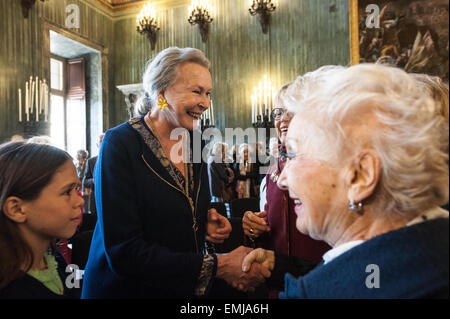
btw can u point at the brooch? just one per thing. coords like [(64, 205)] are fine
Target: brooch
[(274, 176)]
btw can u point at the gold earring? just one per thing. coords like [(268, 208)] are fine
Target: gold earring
[(162, 103)]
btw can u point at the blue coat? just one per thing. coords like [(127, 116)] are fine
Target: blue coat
[(412, 263), (143, 244)]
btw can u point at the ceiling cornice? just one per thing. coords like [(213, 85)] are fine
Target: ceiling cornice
[(126, 10)]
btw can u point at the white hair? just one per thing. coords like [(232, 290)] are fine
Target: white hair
[(217, 149), (400, 125), (42, 139), (305, 85), (161, 72)]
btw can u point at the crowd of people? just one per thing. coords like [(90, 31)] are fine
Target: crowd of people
[(360, 179)]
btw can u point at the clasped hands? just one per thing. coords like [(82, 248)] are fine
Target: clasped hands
[(242, 268)]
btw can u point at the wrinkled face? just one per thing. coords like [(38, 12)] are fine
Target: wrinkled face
[(189, 96), (282, 123), (56, 213), (316, 186)]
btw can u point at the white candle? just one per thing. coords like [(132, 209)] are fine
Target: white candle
[(27, 100), (253, 110), (265, 94), (31, 95), (20, 105), (260, 99), (41, 95), (32, 98), (269, 92), (45, 101), (37, 99)]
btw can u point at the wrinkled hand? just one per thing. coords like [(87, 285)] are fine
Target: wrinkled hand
[(218, 227), (254, 224), (265, 258), (229, 268)]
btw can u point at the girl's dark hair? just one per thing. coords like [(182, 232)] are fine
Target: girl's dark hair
[(25, 170)]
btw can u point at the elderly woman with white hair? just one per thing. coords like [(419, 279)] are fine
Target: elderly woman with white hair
[(368, 172), (153, 204)]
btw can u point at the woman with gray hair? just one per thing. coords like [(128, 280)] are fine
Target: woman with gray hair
[(153, 206), (367, 172)]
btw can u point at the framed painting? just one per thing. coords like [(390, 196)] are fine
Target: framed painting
[(411, 34)]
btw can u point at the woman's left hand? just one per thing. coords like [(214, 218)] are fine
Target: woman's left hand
[(218, 227)]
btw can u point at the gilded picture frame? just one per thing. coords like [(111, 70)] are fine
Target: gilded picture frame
[(410, 34)]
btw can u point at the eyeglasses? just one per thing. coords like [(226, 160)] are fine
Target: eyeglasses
[(278, 112)]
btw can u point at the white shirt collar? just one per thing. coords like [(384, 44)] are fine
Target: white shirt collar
[(339, 250)]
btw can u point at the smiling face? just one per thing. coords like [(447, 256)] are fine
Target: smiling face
[(317, 187), (282, 124), (56, 213), (189, 96)]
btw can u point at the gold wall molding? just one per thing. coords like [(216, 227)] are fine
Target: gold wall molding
[(354, 32), (128, 10)]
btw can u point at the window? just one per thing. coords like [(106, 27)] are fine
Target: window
[(67, 112)]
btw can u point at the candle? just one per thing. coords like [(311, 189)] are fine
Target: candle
[(20, 105), (253, 110), (260, 99), (32, 97), (45, 100), (37, 99), (269, 92), (27, 101), (41, 95), (265, 94)]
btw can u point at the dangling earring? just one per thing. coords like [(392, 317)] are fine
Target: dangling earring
[(162, 103), (356, 208)]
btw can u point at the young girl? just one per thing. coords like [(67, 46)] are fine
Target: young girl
[(39, 203)]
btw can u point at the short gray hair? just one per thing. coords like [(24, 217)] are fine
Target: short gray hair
[(404, 131), (161, 73), (217, 149)]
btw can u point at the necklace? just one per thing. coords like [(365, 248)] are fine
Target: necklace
[(186, 181)]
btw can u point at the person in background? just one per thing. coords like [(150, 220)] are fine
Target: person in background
[(246, 172), (367, 172), (17, 138), (88, 180), (39, 204), (82, 156), (274, 154), (42, 139), (220, 177)]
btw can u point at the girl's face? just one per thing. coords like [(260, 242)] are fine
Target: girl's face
[(56, 213)]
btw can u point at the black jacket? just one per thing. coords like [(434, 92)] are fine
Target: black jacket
[(143, 244)]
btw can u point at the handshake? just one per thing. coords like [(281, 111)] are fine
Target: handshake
[(242, 268), (245, 268)]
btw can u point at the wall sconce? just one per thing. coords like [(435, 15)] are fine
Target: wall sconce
[(26, 6), (262, 103), (199, 13), (148, 24), (263, 8)]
